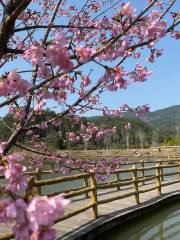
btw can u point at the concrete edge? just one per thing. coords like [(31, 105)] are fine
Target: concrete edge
[(104, 223)]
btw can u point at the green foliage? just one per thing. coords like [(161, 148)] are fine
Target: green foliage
[(165, 122), (159, 127), (119, 140), (6, 124), (172, 141)]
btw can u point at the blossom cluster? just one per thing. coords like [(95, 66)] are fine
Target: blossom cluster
[(13, 84), (101, 168), (89, 131), (56, 54), (13, 173), (33, 220)]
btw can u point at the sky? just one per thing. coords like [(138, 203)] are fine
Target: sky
[(161, 90)]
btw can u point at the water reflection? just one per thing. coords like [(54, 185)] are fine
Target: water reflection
[(161, 224)]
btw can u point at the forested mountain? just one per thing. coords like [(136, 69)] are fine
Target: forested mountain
[(165, 121), (164, 124), (158, 127), (170, 114), (139, 135)]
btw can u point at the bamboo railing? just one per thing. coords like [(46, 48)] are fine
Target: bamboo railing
[(138, 176), (173, 155)]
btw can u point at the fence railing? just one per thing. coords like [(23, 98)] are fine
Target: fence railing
[(173, 155), (137, 182)]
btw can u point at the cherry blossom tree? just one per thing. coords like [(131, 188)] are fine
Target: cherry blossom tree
[(50, 51)]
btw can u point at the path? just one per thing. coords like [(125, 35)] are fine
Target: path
[(69, 227)]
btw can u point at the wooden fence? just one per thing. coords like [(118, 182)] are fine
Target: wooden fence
[(139, 175), (173, 155)]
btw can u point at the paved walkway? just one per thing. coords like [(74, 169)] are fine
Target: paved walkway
[(70, 226)]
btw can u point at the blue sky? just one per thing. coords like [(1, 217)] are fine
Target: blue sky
[(161, 90)]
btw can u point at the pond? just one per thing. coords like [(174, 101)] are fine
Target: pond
[(161, 224), (78, 183)]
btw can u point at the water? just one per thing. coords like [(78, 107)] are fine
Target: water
[(161, 224), (79, 183), (60, 187)]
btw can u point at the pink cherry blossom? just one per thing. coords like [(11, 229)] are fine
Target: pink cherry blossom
[(85, 81), (127, 10), (43, 211), (57, 53), (2, 146), (15, 157), (35, 55), (84, 53), (151, 58), (13, 84), (159, 52), (140, 73), (16, 181), (5, 216), (176, 34)]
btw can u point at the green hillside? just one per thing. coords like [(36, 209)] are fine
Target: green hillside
[(154, 128), (165, 121), (162, 126)]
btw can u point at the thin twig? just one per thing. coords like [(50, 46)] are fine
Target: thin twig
[(2, 3), (53, 26)]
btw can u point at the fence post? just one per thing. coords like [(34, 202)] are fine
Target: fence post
[(142, 172), (38, 177), (29, 192), (52, 167), (86, 185), (158, 179), (94, 195), (179, 167), (161, 171), (118, 179), (134, 171)]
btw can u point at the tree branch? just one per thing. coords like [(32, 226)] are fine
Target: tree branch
[(2, 3), (11, 13), (53, 26)]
